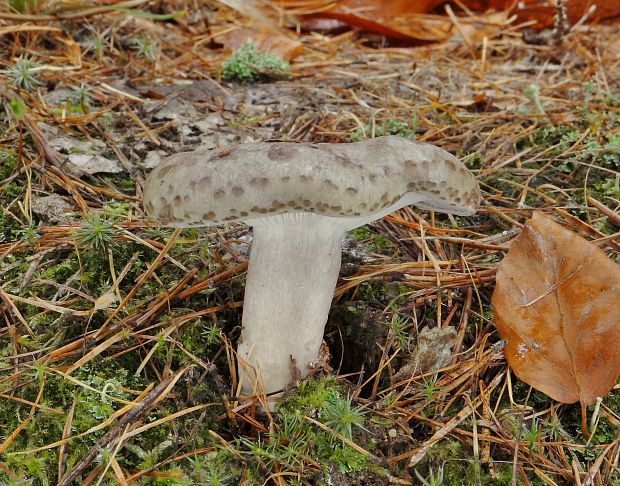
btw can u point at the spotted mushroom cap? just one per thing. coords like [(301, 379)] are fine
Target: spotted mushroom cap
[(253, 180)]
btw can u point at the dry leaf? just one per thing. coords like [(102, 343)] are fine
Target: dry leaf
[(557, 303), (409, 21), (106, 300), (433, 351), (397, 19), (265, 40), (544, 15)]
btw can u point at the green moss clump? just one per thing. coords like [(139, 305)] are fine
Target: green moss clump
[(390, 127), (248, 64)]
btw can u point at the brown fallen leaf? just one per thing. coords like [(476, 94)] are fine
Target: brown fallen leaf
[(422, 21), (543, 13), (410, 21), (265, 40), (557, 303), (403, 20), (433, 351)]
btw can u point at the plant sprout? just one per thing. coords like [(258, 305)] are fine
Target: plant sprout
[(145, 48), (22, 74), (97, 232)]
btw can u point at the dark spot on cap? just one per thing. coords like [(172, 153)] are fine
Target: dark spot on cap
[(163, 171), (177, 200), (373, 178), (330, 184), (204, 181), (232, 210), (230, 218), (321, 206), (414, 185), (298, 208), (335, 208), (281, 152), (221, 154), (351, 191), (237, 191), (305, 179), (244, 213), (219, 194), (259, 181), (346, 161), (209, 216), (306, 202), (385, 197), (410, 165), (291, 204), (285, 178)]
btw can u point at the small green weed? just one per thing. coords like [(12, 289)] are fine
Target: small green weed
[(23, 74), (341, 416), (432, 479), (399, 329), (249, 64), (23, 6), (81, 95), (97, 232), (532, 93), (388, 127), (145, 48), (96, 44), (372, 241)]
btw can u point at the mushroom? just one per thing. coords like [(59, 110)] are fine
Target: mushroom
[(300, 199)]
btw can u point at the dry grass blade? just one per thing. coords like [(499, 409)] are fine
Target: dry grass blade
[(535, 118)]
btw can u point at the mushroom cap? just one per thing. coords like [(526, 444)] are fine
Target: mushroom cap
[(254, 180)]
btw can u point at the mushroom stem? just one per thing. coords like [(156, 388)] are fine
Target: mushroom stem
[(290, 284)]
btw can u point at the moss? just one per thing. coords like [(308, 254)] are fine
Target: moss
[(371, 241), (94, 400), (248, 64), (459, 468), (390, 126)]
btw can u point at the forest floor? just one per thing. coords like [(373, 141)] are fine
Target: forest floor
[(117, 337)]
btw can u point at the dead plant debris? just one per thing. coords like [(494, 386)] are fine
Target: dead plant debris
[(117, 337)]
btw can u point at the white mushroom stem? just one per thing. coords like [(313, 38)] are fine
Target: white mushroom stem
[(292, 273)]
